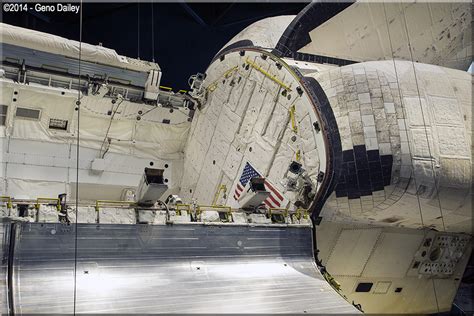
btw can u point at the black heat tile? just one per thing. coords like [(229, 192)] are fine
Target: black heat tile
[(351, 181), (387, 171), (373, 155), (342, 178), (386, 160), (353, 194), (348, 155), (375, 166), (365, 192), (364, 180), (341, 193), (362, 164), (351, 168), (378, 186), (341, 186), (344, 169), (359, 150), (376, 176), (386, 181)]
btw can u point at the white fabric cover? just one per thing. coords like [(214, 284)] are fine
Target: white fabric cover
[(13, 35)]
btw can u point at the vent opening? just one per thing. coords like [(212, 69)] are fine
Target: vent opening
[(30, 114), (3, 114), (58, 124)]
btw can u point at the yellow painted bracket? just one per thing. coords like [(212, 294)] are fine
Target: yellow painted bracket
[(302, 212), (279, 210), (229, 72), (226, 75), (42, 200), (336, 285), (222, 187), (212, 86), (298, 155), (268, 75), (218, 208), (183, 207), (171, 89), (293, 119), (8, 200), (100, 203)]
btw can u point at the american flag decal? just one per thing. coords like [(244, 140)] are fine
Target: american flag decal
[(274, 200)]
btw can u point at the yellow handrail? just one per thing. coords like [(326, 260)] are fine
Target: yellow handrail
[(226, 75), (294, 127), (166, 88), (218, 208), (271, 77), (271, 209), (45, 199), (185, 207), (102, 202), (222, 187)]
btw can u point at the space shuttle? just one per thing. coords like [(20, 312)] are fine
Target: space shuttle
[(311, 168)]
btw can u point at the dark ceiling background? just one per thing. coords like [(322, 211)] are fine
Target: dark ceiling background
[(186, 36)]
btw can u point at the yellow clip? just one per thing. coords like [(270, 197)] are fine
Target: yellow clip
[(298, 155), (271, 77)]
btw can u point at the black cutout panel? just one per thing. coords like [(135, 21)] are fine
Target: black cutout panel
[(364, 287)]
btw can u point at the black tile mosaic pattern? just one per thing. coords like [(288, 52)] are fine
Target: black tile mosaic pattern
[(363, 172)]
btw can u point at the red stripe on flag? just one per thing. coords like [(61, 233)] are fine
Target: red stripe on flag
[(239, 187), (268, 204), (273, 200), (274, 190), (238, 191)]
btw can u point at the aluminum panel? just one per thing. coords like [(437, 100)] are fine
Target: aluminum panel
[(175, 268)]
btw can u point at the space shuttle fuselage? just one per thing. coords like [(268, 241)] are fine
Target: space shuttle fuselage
[(345, 169)]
